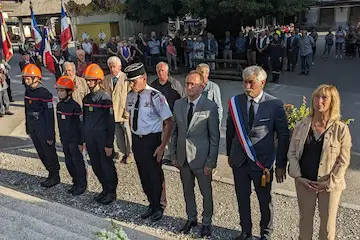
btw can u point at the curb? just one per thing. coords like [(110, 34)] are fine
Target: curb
[(282, 192)]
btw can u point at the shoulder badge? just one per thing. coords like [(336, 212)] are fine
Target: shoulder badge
[(154, 94), (50, 105)]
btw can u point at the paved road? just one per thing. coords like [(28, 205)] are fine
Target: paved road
[(341, 73)]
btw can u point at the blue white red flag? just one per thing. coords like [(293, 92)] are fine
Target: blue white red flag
[(35, 31), (65, 36), (48, 58)]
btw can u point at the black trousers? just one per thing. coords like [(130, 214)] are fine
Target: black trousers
[(243, 177), (46, 152), (150, 171), (102, 165), (291, 63), (9, 88), (75, 163)]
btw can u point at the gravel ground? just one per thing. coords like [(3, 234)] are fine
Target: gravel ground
[(21, 170)]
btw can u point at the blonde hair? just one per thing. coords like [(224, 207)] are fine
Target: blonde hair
[(332, 91), (203, 67)]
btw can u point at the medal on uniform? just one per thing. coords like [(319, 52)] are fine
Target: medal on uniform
[(63, 117), (30, 101), (91, 108)]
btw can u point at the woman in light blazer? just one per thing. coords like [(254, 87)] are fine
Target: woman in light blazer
[(319, 155)]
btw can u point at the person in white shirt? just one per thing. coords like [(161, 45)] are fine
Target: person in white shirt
[(151, 125), (87, 46)]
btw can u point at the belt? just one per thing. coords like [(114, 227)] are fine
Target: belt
[(144, 136)]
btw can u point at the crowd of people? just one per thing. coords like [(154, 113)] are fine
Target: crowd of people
[(121, 116)]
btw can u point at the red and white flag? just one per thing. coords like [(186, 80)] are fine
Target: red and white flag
[(35, 30), (5, 39), (48, 58), (65, 36)]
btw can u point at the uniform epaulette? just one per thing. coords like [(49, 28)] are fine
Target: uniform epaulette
[(154, 94)]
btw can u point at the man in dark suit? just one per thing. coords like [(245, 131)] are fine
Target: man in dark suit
[(292, 50), (194, 148), (256, 117)]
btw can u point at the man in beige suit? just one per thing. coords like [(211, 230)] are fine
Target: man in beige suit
[(194, 148), (81, 88), (118, 89)]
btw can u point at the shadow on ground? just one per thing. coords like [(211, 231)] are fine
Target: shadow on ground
[(121, 210)]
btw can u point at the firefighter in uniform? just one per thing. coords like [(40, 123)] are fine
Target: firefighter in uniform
[(151, 125), (70, 122), (40, 122), (99, 130)]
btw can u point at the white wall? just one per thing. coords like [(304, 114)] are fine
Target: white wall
[(341, 15)]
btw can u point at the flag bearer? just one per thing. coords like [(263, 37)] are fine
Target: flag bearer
[(70, 122), (40, 122), (99, 130)]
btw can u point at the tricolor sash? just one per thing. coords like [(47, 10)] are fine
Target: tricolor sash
[(244, 139)]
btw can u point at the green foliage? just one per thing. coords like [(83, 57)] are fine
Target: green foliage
[(117, 234), (157, 11), (153, 11), (94, 6), (294, 115)]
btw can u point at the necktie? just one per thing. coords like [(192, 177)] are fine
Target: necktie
[(136, 114), (114, 79), (251, 113), (190, 112)]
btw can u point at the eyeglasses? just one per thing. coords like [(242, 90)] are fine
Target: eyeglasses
[(189, 84)]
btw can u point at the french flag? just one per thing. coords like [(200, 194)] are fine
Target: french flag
[(35, 31), (65, 36), (5, 39), (48, 58)]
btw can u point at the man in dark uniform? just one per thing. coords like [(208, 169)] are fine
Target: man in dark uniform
[(71, 129), (40, 122), (151, 125), (99, 129)]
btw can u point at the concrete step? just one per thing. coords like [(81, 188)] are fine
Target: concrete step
[(26, 217)]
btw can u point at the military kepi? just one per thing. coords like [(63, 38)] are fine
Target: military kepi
[(134, 71)]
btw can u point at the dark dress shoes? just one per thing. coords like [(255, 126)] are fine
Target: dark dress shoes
[(71, 190), (78, 191), (244, 236), (108, 198), (100, 196), (147, 213), (50, 182), (205, 231), (156, 216), (187, 227), (9, 113)]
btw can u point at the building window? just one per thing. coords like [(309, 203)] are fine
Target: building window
[(327, 16)]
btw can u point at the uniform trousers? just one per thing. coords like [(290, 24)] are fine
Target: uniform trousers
[(188, 176), (150, 171), (75, 163), (123, 138), (103, 166), (46, 152), (243, 177), (328, 204)]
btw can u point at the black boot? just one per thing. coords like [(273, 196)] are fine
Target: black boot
[(71, 190), (109, 198), (101, 195), (52, 180), (79, 190)]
